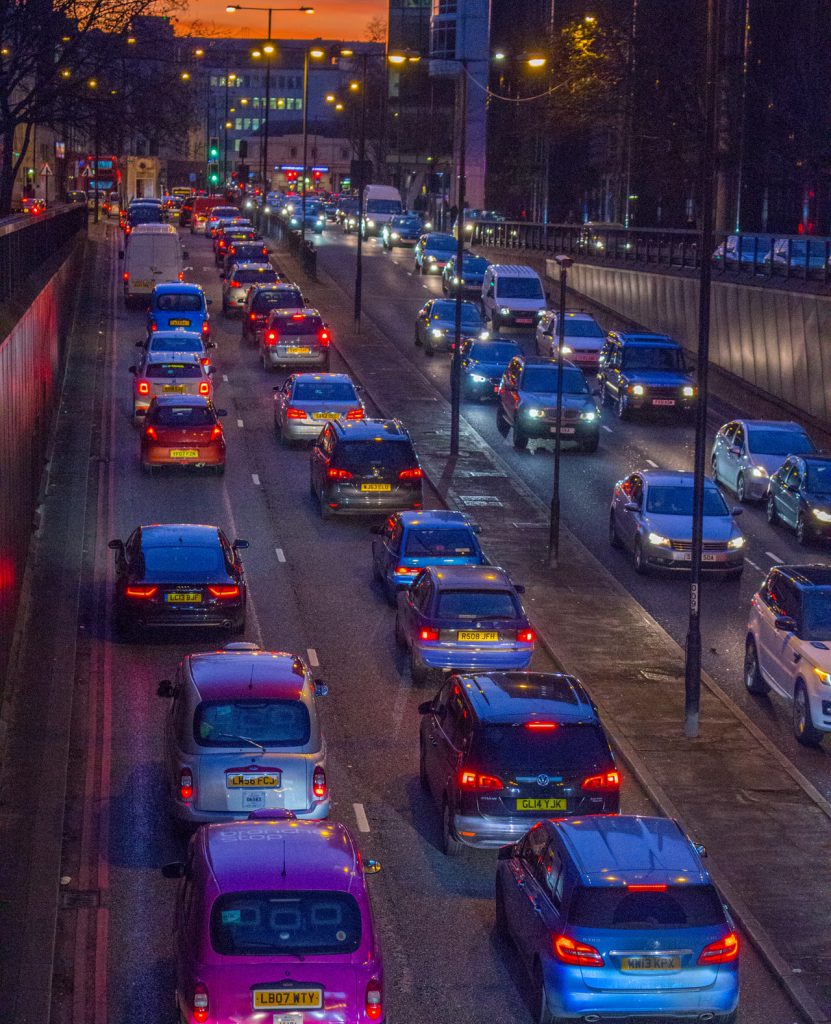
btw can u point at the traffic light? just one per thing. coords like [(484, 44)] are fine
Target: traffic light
[(213, 174), (213, 149)]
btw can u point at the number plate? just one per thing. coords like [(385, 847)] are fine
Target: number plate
[(686, 556), (476, 636), (180, 597), (246, 780), (650, 963), (173, 389), (563, 430), (325, 415), (376, 487), (252, 799), (663, 401), (179, 323), (527, 803), (142, 284), (523, 320), (184, 453), (298, 350), (305, 998)]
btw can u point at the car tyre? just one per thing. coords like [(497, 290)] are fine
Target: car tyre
[(638, 558), (418, 674), (614, 539), (520, 439), (502, 424), (494, 324), (714, 470), (741, 490), (220, 470), (804, 729), (147, 469), (543, 1013), (451, 846), (803, 531), (770, 511), (400, 639), (417, 339), (753, 681), (500, 915)]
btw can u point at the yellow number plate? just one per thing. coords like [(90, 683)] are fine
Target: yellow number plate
[(324, 415), (173, 389), (541, 804), (376, 487), (184, 453), (298, 350), (650, 963), (180, 323), (476, 637), (142, 284), (253, 781), (183, 598), (306, 998)]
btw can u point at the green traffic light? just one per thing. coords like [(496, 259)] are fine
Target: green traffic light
[(214, 154), (214, 179)]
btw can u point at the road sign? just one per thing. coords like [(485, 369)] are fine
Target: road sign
[(45, 171), (86, 172)]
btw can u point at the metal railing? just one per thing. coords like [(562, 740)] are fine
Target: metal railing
[(273, 226), (760, 256), (26, 244)]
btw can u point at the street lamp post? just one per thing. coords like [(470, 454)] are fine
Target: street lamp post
[(456, 364), (553, 555), (359, 269)]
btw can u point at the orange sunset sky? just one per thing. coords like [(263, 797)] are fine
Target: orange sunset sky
[(333, 19)]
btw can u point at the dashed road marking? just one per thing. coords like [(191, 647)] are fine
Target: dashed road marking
[(649, 462), (280, 555), (256, 479), (312, 654), (409, 273), (225, 378), (773, 557), (240, 424), (361, 818), (424, 286), (758, 568), (607, 429)]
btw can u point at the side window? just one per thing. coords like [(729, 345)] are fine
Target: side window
[(792, 476), (636, 491), (533, 847), (457, 724), (418, 590), (395, 537), (550, 874), (738, 439), (425, 595), (789, 599)]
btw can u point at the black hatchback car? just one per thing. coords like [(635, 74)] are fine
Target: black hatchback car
[(260, 301), (799, 495), (365, 466), (180, 574), (504, 750), (645, 372)]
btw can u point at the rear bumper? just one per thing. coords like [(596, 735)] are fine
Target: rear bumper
[(297, 430), (157, 617), (187, 814), (484, 832), (274, 358), (358, 504), (160, 456), (447, 657)]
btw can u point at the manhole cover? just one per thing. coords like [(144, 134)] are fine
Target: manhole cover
[(480, 500)]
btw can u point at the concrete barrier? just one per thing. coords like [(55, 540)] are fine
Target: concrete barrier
[(776, 340)]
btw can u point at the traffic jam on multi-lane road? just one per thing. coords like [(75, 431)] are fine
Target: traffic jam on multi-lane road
[(370, 693)]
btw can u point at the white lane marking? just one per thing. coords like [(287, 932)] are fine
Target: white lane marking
[(758, 568), (361, 818), (208, 268), (280, 555), (773, 557), (256, 479), (312, 653), (398, 709), (251, 608), (240, 424), (225, 378), (607, 429), (649, 462), (395, 262), (424, 286), (409, 273)]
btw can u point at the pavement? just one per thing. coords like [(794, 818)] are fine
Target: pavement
[(767, 829)]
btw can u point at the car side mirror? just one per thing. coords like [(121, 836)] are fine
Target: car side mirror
[(121, 254), (175, 869), (116, 545), (141, 344), (321, 689), (372, 866), (221, 412), (506, 852), (376, 528), (425, 707), (700, 849), (210, 344), (736, 511), (210, 302), (632, 506), (132, 369), (240, 545), (165, 689), (185, 254), (735, 450), (519, 588), (785, 623)]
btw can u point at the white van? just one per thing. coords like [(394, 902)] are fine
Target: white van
[(153, 256), (512, 296), (381, 204)]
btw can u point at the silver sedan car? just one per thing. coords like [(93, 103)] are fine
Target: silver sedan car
[(241, 734), (746, 453), (239, 278), (651, 516), (304, 403)]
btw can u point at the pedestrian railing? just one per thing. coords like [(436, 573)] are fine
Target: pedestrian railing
[(26, 244)]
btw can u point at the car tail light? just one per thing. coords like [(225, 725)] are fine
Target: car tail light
[(319, 782), (216, 433), (293, 413), (722, 951), (153, 325), (186, 784), (428, 633), (224, 593), (144, 593), (205, 360), (355, 414), (206, 327), (252, 316), (324, 338), (526, 636), (408, 570), (125, 277), (271, 337), (205, 388), (373, 1003), (338, 474), (181, 275), (608, 780), (143, 387), (150, 434), (540, 726), (646, 888), (415, 473), (200, 1002), (474, 780), (579, 954), (236, 284)]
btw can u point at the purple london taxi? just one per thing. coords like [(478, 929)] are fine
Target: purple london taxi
[(273, 925)]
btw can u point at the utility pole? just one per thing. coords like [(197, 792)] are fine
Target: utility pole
[(456, 365)]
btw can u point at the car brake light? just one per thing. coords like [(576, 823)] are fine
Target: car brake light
[(527, 636), (252, 316), (271, 337), (143, 387), (125, 277), (146, 593), (722, 951), (338, 474), (224, 592), (200, 1003), (206, 327), (150, 434), (579, 954), (473, 780), (407, 570), (186, 784), (540, 725), (293, 413), (216, 433), (153, 325), (205, 388), (235, 284), (608, 780), (355, 414), (373, 1003), (181, 275), (428, 633), (415, 473), (324, 338), (205, 360), (319, 782), (646, 888)]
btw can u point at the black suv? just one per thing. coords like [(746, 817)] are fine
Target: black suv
[(502, 751), (260, 301), (527, 403), (645, 371), (365, 466)]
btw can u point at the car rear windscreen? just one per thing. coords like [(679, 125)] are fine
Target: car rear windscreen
[(273, 723), (324, 391), (284, 922), (178, 344), (287, 299), (145, 215), (183, 560), (300, 325), (477, 604), (689, 906), (181, 416), (567, 748), (179, 303), (163, 371), (447, 543), (361, 456), (247, 252), (249, 276), (218, 212)]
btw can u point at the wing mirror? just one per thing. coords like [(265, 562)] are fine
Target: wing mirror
[(377, 528), (222, 275), (735, 450), (210, 344), (210, 302), (506, 852), (519, 588), (240, 545), (165, 689), (425, 707), (186, 255), (221, 412), (211, 370), (133, 370), (321, 689), (175, 869), (632, 506), (116, 545), (141, 344), (785, 623), (737, 511)]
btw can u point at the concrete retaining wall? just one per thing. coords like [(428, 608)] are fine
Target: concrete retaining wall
[(776, 340)]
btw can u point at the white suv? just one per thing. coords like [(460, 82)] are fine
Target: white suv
[(788, 645)]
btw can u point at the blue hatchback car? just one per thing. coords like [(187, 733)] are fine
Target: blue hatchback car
[(410, 540), (177, 306), (616, 918), (463, 618)]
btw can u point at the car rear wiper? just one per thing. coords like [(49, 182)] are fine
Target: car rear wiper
[(241, 739)]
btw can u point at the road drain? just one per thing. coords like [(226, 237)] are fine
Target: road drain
[(75, 899)]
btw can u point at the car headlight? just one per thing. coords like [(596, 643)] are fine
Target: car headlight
[(478, 378), (455, 280), (824, 517), (759, 471), (395, 235), (824, 677), (636, 389), (688, 392), (249, 205), (438, 332), (567, 351), (319, 221), (431, 258), (535, 414), (484, 335), (735, 543), (589, 416), (658, 540), (428, 226), (370, 223), (504, 311)]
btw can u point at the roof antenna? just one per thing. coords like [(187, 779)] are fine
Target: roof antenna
[(283, 872)]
